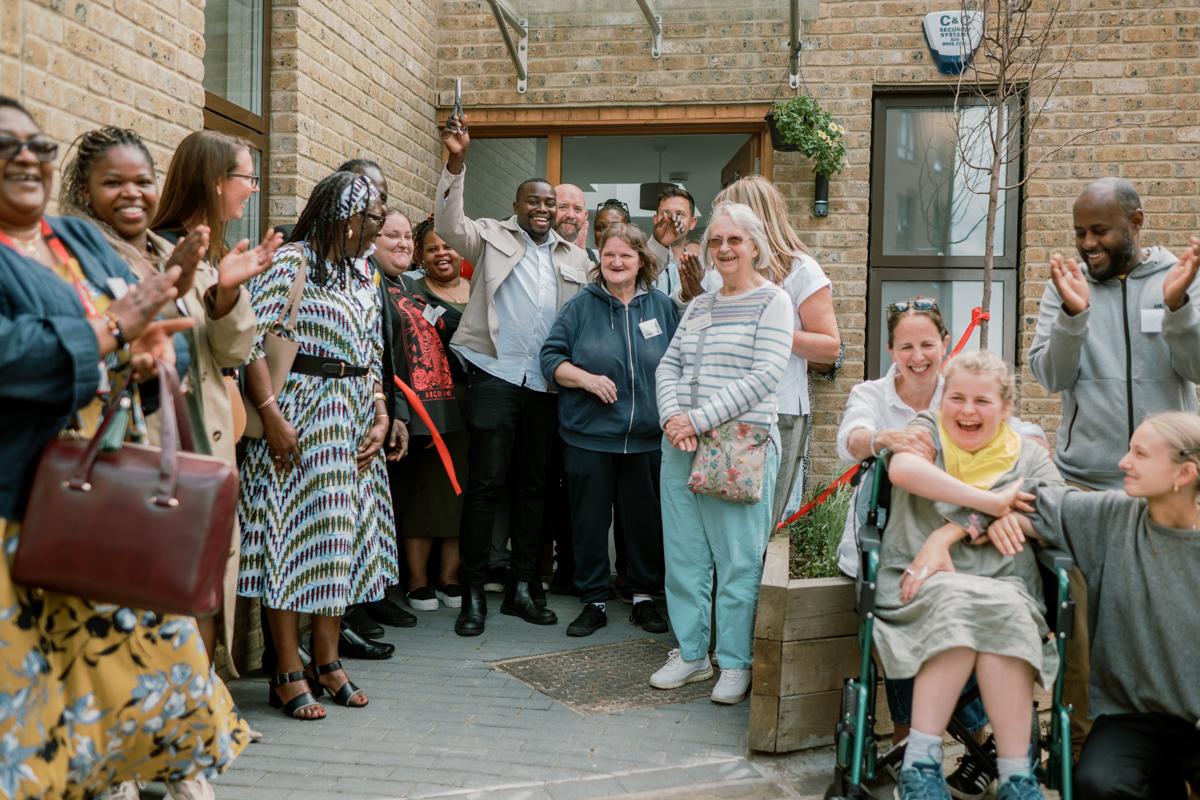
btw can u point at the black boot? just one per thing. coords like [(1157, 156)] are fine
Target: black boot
[(474, 609), (537, 592), (518, 602), (352, 645)]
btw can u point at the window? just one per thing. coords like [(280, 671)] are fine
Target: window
[(928, 215), (236, 96)]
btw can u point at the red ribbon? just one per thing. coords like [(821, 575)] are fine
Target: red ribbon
[(977, 315), (415, 403)]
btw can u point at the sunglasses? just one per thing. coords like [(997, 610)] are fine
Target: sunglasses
[(252, 178), (378, 219), (916, 304), (613, 203), (42, 148)]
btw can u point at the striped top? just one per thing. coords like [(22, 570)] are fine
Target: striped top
[(745, 354)]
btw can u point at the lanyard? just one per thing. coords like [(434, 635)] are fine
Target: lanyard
[(64, 262)]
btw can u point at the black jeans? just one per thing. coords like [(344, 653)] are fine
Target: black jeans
[(508, 424), (597, 482), (1139, 756)]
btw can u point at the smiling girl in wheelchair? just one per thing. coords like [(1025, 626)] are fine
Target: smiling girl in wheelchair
[(947, 610)]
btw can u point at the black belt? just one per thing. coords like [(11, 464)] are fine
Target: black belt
[(326, 367)]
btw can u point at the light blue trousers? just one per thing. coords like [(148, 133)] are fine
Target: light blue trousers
[(701, 533)]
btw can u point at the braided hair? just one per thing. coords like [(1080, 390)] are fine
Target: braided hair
[(420, 234), (322, 226), (89, 148)]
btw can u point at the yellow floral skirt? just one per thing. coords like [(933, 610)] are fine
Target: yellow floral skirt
[(93, 694)]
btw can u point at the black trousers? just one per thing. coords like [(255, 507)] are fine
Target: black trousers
[(1139, 756), (597, 482), (508, 425)]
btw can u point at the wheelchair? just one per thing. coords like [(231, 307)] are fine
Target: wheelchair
[(859, 761)]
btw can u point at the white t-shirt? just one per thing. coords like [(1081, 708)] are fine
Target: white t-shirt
[(806, 279)]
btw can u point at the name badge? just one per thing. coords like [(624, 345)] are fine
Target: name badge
[(432, 313), (650, 328), (1152, 320), (700, 321)]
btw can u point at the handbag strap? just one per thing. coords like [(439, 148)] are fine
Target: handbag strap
[(173, 435), (695, 379), (295, 293)]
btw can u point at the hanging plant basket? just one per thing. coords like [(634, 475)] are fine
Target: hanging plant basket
[(778, 143)]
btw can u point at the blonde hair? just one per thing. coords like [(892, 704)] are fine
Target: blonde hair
[(769, 205), (1181, 431), (984, 362), (744, 218)]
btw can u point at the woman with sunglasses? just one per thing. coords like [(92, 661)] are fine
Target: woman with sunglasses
[(315, 511), (93, 695), (111, 181)]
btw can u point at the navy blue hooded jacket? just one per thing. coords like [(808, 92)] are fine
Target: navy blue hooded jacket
[(598, 334)]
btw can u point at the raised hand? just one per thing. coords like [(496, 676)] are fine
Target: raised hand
[(668, 228), (455, 136), (1180, 277), (243, 262), (691, 276), (187, 255), (156, 343), (1071, 284), (141, 304)]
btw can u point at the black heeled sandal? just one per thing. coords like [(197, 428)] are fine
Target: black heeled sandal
[(345, 693), (301, 701)]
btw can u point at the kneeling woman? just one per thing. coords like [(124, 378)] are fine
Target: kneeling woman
[(1139, 551), (948, 610)]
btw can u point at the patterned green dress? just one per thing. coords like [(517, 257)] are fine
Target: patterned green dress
[(319, 537)]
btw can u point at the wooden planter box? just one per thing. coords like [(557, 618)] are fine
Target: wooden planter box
[(805, 646)]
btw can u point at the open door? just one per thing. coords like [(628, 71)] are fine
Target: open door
[(745, 162)]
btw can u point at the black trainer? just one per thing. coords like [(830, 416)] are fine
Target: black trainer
[(590, 620), (971, 780), (646, 617)]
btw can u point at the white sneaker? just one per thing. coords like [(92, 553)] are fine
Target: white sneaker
[(677, 672), (191, 789), (731, 686), (126, 790)]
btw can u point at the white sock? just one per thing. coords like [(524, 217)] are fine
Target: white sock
[(923, 748), (599, 606), (641, 598), (1012, 766)]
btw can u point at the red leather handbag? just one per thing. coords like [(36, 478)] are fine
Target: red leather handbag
[(141, 527)]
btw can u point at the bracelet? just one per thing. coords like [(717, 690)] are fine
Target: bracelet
[(874, 434), (114, 328), (380, 396), (265, 403), (382, 416)]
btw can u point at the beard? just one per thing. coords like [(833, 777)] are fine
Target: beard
[(567, 229), (1121, 259)]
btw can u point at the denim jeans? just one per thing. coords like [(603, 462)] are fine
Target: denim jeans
[(900, 695), (509, 426)]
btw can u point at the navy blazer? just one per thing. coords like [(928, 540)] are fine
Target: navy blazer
[(48, 351)]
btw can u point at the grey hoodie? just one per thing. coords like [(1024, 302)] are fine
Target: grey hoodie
[(1123, 358)]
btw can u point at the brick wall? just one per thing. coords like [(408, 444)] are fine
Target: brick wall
[(1131, 67), (497, 167), (80, 64)]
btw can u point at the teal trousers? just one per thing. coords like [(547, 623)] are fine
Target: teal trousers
[(700, 534)]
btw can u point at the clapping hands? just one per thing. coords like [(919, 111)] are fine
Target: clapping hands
[(1180, 277), (1071, 283)]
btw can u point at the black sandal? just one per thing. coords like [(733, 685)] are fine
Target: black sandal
[(301, 701), (345, 693)]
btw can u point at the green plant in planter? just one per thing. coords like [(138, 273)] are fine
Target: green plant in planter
[(802, 122), (816, 535)]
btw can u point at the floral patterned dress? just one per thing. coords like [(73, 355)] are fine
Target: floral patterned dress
[(92, 694), (319, 537)]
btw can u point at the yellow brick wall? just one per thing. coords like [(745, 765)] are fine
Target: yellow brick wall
[(1131, 66)]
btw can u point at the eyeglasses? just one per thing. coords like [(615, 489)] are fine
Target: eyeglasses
[(613, 203), (42, 148), (916, 304), (378, 219), (252, 178)]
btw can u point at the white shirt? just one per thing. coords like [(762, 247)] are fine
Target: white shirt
[(806, 279), (526, 305)]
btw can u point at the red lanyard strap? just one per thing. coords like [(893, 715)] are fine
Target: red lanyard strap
[(65, 261)]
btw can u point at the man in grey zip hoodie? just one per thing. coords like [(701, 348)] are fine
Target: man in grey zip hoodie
[(1120, 341)]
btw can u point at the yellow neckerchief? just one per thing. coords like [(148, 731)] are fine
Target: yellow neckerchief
[(984, 467)]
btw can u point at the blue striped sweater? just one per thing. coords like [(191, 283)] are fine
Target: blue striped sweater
[(746, 350)]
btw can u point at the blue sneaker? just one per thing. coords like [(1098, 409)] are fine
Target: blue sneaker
[(921, 781), (1020, 787)]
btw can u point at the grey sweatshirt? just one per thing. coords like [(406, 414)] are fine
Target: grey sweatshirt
[(1142, 613), (1121, 359)]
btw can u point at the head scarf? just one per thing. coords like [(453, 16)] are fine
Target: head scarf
[(357, 197)]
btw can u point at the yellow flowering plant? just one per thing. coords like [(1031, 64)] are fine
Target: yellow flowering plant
[(802, 122)]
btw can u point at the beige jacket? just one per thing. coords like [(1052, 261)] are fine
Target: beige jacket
[(218, 344), (494, 247)]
